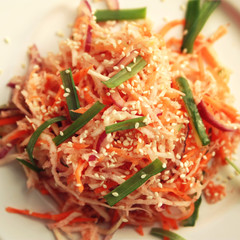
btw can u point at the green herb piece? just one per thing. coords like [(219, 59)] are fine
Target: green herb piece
[(37, 133), (134, 182), (195, 20), (190, 222), (70, 92), (131, 70), (233, 165), (195, 118), (30, 165), (79, 123), (160, 233), (120, 14), (124, 125)]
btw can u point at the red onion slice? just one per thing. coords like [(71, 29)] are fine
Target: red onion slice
[(117, 99), (92, 158), (100, 141), (207, 116), (84, 9), (4, 150), (88, 39), (113, 4)]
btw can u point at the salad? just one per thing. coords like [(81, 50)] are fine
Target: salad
[(123, 127)]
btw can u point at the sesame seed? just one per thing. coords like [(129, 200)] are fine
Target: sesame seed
[(67, 71), (108, 93), (137, 125), (149, 197), (164, 165), (6, 40), (115, 194), (178, 156), (68, 90), (143, 176), (115, 68), (122, 66), (128, 69), (124, 220), (65, 94), (61, 133)]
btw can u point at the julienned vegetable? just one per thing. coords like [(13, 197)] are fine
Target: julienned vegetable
[(134, 182), (124, 125), (129, 71), (193, 113), (161, 233), (195, 20), (79, 123), (70, 93), (209, 117), (120, 14), (190, 222)]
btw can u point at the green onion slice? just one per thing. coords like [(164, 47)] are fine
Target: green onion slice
[(30, 165), (197, 20), (190, 222), (193, 113), (37, 133), (79, 123), (159, 232), (71, 93), (120, 14), (193, 8), (124, 125), (233, 165), (134, 182), (131, 70)]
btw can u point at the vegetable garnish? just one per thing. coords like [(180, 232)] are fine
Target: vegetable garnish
[(190, 222), (233, 165), (129, 71), (37, 133), (79, 123), (30, 165), (124, 125), (70, 93), (134, 182), (159, 232), (120, 14), (193, 113), (195, 20)]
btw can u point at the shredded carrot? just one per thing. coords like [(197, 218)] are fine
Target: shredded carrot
[(79, 75), (139, 229), (221, 31), (16, 135), (170, 25), (79, 145), (81, 166), (82, 109), (10, 120), (218, 105)]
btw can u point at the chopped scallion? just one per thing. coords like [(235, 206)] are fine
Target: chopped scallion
[(125, 74), (120, 14), (30, 165), (79, 123), (70, 93), (161, 233), (193, 113), (134, 182), (124, 125), (37, 133), (190, 222), (233, 165), (195, 20)]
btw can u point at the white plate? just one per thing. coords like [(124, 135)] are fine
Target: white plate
[(25, 22)]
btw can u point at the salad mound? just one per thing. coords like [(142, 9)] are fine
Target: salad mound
[(122, 126)]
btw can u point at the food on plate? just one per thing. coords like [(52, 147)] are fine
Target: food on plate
[(123, 126)]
